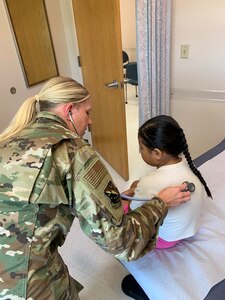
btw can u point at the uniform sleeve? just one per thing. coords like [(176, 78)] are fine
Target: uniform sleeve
[(98, 206)]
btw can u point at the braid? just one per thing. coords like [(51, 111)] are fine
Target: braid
[(191, 165)]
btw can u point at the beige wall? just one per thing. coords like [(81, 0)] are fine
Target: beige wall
[(201, 24), (128, 27), (64, 40), (202, 121), (198, 83)]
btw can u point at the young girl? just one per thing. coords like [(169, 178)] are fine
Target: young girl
[(162, 142)]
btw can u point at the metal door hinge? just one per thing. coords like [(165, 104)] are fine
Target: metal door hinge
[(78, 60)]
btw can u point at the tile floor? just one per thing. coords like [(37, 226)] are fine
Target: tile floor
[(100, 273)]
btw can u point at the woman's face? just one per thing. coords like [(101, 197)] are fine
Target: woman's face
[(81, 116)]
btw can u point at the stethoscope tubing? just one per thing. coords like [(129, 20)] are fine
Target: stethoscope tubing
[(190, 188), (123, 196)]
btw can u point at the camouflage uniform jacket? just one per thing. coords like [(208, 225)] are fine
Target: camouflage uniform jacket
[(48, 176)]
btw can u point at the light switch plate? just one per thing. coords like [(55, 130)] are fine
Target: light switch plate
[(184, 51)]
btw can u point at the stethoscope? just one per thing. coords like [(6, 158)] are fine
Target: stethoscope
[(72, 121), (190, 188)]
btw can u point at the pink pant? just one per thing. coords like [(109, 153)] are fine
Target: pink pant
[(125, 208)]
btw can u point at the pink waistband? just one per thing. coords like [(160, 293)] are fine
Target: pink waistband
[(162, 244)]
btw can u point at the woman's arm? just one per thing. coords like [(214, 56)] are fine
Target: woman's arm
[(98, 207)]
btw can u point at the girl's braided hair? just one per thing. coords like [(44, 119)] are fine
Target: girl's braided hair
[(164, 133)]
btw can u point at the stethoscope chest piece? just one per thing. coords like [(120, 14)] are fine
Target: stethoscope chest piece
[(190, 187)]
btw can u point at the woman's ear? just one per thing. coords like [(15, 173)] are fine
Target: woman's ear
[(68, 110)]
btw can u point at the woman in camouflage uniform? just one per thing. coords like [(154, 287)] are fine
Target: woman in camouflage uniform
[(48, 176)]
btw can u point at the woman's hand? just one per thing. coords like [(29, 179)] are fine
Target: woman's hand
[(174, 196)]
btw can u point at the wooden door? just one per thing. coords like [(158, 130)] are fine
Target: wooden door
[(99, 40)]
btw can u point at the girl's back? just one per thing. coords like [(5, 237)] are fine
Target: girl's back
[(181, 221)]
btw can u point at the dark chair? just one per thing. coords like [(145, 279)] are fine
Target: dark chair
[(125, 59), (125, 63), (131, 76), (217, 292)]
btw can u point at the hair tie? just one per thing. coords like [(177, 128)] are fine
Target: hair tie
[(37, 98)]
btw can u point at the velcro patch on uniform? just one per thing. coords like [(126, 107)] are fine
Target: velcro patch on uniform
[(95, 174), (113, 194)]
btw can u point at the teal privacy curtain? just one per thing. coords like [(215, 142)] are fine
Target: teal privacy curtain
[(153, 21)]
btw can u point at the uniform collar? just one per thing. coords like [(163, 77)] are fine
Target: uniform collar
[(51, 116)]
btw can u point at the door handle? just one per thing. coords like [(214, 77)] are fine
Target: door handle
[(112, 85)]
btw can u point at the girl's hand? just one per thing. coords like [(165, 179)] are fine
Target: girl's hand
[(131, 191)]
